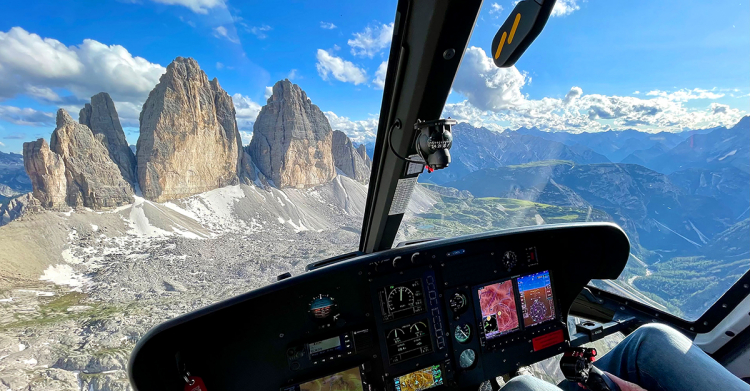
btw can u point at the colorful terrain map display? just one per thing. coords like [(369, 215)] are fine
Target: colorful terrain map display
[(349, 380), (537, 304), (422, 379), (498, 304)]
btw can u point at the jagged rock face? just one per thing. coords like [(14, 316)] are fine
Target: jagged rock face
[(16, 207), (101, 117), (348, 159), (93, 179), (292, 139), (362, 150), (189, 142), (46, 170)]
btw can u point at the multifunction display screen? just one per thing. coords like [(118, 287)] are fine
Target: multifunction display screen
[(348, 380), (537, 304), (498, 307), (408, 341), (422, 379), (402, 300)]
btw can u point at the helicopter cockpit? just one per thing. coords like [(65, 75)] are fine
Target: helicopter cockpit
[(430, 314)]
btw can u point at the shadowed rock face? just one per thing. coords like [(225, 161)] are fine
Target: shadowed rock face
[(93, 180), (292, 139), (362, 151), (189, 142), (47, 173), (348, 159), (101, 117)]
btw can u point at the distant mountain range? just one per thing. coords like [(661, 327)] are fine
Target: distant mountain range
[(658, 214), (13, 178), (478, 148), (665, 152)]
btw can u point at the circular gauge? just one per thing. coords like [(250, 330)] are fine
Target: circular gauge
[(400, 298), (467, 358), (394, 336), (537, 311), (457, 303), (322, 306), (462, 333), (417, 328), (510, 259)]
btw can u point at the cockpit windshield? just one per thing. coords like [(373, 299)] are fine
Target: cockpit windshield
[(624, 125), (159, 156)]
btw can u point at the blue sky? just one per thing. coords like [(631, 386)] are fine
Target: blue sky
[(598, 64)]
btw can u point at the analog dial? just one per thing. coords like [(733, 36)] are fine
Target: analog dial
[(457, 303), (400, 298), (322, 306), (467, 359), (462, 333)]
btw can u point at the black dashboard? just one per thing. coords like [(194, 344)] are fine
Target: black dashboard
[(445, 314)]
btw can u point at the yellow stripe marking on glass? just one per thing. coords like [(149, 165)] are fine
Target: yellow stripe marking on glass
[(500, 46), (515, 26)]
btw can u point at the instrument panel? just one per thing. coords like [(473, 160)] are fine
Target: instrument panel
[(445, 314)]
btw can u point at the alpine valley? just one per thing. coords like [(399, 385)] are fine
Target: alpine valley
[(102, 240)]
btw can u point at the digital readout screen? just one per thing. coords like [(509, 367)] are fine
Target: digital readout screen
[(324, 346), (537, 304), (498, 306), (408, 341), (348, 380), (402, 300), (422, 379)]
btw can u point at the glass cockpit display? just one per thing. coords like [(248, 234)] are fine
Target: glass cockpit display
[(402, 300), (348, 380), (422, 379), (537, 304), (408, 341), (498, 309)]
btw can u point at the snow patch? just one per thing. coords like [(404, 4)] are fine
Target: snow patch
[(728, 155), (63, 275), (94, 227), (68, 257), (181, 211), (539, 219)]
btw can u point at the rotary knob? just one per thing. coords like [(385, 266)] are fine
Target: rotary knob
[(398, 262)]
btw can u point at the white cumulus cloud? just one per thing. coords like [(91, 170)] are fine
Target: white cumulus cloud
[(247, 111), (197, 6), (496, 9), (42, 67), (26, 116), (359, 131), (260, 31), (327, 25), (222, 32), (341, 70), (495, 99), (371, 40), (565, 7), (486, 86), (379, 79)]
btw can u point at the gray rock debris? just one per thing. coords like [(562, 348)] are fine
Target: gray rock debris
[(189, 142), (101, 117)]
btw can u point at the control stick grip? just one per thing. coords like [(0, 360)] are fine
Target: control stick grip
[(599, 381)]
